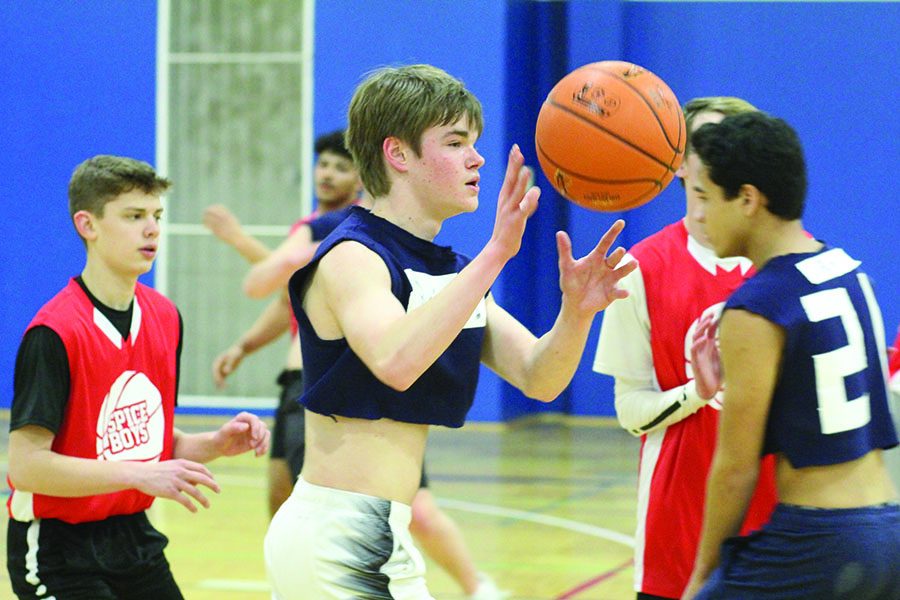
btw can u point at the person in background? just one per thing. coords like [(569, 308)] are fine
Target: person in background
[(645, 345), (337, 186), (894, 365)]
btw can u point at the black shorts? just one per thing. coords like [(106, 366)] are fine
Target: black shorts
[(288, 434), (119, 558)]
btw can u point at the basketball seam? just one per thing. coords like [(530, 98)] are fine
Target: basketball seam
[(612, 134), (647, 103), (657, 182), (634, 203), (639, 201)]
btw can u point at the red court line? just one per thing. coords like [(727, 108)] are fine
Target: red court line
[(593, 581)]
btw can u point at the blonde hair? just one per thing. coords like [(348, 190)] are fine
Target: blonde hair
[(724, 105)]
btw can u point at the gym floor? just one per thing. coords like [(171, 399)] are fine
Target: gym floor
[(546, 507)]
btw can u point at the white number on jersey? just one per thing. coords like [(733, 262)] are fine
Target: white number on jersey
[(837, 413)]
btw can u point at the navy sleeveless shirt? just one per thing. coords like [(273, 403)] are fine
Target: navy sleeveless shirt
[(830, 402), (337, 382)]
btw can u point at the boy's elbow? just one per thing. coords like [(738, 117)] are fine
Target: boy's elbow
[(545, 398), (252, 289), (395, 374), (18, 476), (541, 395), (628, 424), (399, 385), (626, 418), (634, 430), (13, 475)]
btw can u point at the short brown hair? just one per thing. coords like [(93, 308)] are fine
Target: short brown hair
[(101, 179), (403, 102)]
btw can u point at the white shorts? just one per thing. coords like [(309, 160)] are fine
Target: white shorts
[(325, 543)]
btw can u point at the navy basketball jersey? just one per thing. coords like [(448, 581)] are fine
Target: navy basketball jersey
[(830, 403), (322, 225), (337, 382)]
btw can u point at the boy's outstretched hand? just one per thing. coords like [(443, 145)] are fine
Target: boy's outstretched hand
[(517, 201), (705, 357), (590, 284), (242, 433), (177, 479), (222, 222)]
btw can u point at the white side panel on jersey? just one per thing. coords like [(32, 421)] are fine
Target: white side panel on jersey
[(649, 458), (877, 321), (426, 286), (21, 506)]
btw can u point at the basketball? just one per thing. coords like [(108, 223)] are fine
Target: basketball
[(610, 136)]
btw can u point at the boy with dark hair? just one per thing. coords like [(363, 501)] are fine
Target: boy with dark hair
[(804, 376), (333, 142), (337, 186), (92, 439), (643, 344)]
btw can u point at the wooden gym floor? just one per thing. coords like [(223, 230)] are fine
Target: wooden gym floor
[(546, 507)]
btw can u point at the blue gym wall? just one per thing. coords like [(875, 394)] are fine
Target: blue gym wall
[(78, 79)]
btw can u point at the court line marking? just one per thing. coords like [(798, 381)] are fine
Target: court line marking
[(581, 587), (473, 507), (522, 515)]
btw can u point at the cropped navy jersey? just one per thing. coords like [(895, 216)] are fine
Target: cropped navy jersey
[(337, 382), (830, 403), (324, 224)]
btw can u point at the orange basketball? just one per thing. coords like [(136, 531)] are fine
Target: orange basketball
[(610, 136)]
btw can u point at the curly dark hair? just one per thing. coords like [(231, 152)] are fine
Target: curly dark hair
[(333, 142), (757, 149)]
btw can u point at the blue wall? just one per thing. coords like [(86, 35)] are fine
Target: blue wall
[(78, 79)]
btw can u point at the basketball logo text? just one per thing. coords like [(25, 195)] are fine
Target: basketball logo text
[(131, 422), (596, 100), (632, 71), (127, 428), (601, 196)]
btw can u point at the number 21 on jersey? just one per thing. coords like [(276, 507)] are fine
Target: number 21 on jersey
[(837, 412)]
